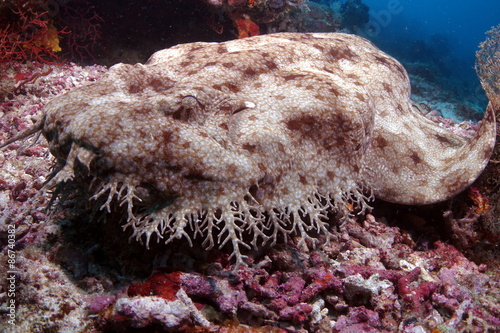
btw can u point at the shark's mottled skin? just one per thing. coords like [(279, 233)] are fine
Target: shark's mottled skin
[(261, 135)]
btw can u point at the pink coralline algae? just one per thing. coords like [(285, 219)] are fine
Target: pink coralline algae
[(349, 287), (424, 291), (100, 303), (417, 297), (360, 320)]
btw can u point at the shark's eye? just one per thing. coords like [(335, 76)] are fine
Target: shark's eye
[(190, 110), (190, 102)]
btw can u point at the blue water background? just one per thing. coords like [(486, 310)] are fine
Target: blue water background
[(452, 29)]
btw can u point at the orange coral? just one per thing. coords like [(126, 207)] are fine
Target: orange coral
[(49, 40), (245, 26), (29, 37), (480, 200)]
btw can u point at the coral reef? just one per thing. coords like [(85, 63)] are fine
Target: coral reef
[(382, 286), (402, 269), (72, 278), (272, 16), (299, 15), (47, 31)]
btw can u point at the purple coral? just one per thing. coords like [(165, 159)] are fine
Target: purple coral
[(100, 303)]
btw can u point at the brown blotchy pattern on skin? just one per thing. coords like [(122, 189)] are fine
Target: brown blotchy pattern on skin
[(261, 135)]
